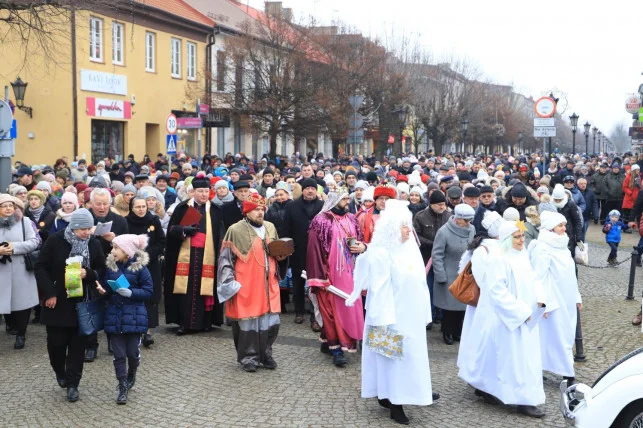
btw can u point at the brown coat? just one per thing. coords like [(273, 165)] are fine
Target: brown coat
[(426, 224)]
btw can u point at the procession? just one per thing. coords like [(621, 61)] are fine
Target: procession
[(371, 265)]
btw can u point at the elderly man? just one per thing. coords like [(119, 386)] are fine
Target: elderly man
[(231, 212), (249, 283), (101, 202), (192, 250), (471, 197), (333, 243)]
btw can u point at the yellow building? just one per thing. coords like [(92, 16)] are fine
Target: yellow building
[(133, 66)]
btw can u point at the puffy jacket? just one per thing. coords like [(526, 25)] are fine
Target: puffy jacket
[(613, 231), (128, 314), (578, 198), (629, 195), (598, 186), (276, 215), (614, 186)]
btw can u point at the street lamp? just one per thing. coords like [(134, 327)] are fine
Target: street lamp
[(19, 88), (573, 119), (587, 126), (465, 125), (600, 135), (520, 134), (594, 131), (402, 113)]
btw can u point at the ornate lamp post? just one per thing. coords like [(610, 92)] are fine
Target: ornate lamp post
[(465, 125), (594, 131), (587, 126), (573, 119), (19, 88), (520, 134)]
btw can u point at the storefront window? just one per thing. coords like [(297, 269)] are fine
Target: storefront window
[(108, 140), (188, 141)]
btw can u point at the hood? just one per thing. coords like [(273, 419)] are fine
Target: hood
[(135, 264)]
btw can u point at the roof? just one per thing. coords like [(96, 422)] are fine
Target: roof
[(179, 8)]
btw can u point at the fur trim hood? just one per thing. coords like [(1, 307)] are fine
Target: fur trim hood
[(135, 264)]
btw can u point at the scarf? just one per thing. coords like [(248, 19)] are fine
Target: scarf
[(554, 240), (7, 223), (79, 247), (63, 215), (144, 221), (183, 262), (36, 213), (219, 202)]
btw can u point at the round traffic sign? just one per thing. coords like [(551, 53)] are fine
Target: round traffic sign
[(633, 104), (171, 124), (6, 118), (545, 107)]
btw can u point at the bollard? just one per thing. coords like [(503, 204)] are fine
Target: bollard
[(579, 356), (630, 285)]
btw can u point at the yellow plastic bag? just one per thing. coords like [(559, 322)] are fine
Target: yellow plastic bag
[(73, 281)]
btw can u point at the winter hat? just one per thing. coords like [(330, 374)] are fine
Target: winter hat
[(403, 188), (559, 192), (131, 243), (543, 190), (471, 192), (492, 222), (368, 194), (546, 206), (486, 189), (71, 189), (129, 188), (17, 189), (117, 186), (4, 197), (506, 229), (519, 191), (437, 197), (87, 194), (454, 192), (464, 212), (44, 185), (221, 183), (37, 193), (549, 220), (282, 185), (511, 214), (416, 189), (69, 197), (614, 213), (361, 185), (635, 167), (49, 178), (270, 192), (308, 182), (81, 219)]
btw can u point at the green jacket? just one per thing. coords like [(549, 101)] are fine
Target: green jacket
[(598, 186), (614, 186)]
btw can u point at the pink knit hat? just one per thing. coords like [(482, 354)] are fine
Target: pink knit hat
[(71, 189), (130, 243), (69, 197)]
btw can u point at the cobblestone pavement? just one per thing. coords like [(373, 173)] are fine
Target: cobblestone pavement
[(195, 381)]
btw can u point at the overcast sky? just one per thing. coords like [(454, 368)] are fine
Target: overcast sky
[(588, 50)]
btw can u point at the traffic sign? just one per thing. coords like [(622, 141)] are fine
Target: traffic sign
[(544, 131), (545, 107), (6, 118), (171, 144), (539, 121), (171, 124)]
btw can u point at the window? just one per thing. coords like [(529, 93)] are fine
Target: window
[(176, 58), (95, 39), (191, 61), (221, 70), (150, 52), (117, 43)]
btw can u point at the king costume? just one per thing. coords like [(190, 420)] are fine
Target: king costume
[(248, 281), (190, 300), (330, 262)]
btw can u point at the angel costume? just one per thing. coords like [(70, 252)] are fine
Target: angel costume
[(553, 263), (398, 305)]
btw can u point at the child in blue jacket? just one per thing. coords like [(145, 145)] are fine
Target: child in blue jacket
[(612, 230), (126, 316)]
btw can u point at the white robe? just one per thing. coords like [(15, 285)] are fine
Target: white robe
[(501, 360), (397, 296), (557, 271), (482, 266)]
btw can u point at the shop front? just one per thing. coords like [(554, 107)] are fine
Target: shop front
[(108, 127)]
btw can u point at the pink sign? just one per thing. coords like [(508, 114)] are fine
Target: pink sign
[(189, 122), (204, 109), (110, 109)]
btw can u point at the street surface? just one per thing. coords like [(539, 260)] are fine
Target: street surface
[(194, 380)]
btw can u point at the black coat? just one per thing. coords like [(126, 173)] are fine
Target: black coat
[(119, 227), (298, 216), (477, 219), (231, 213), (276, 215), (43, 225), (504, 203), (574, 223), (50, 276), (150, 226)]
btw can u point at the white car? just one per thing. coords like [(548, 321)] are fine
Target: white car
[(615, 400)]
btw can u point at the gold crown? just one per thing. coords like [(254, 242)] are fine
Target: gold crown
[(257, 199)]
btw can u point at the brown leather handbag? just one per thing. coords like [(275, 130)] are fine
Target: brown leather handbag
[(464, 288)]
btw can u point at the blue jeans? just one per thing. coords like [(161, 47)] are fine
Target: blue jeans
[(585, 226), (614, 249)]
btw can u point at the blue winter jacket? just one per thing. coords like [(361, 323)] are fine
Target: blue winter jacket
[(614, 234), (128, 314)]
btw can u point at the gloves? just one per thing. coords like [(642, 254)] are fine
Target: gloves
[(580, 245), (125, 292), (189, 230)]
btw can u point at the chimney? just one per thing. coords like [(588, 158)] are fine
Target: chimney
[(288, 14), (274, 8)]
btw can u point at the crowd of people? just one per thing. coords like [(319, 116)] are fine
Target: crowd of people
[(374, 244)]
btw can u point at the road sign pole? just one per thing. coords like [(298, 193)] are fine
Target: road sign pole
[(7, 150)]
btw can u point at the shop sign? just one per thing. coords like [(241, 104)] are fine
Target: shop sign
[(107, 83), (190, 122), (109, 109)]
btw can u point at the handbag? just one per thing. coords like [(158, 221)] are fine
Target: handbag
[(464, 288), (30, 258), (91, 316)]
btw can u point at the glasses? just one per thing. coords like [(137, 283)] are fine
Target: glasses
[(521, 236), (5, 206)]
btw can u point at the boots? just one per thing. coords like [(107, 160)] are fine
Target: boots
[(20, 342), (531, 411), (397, 414), (131, 378), (109, 345), (122, 392)]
